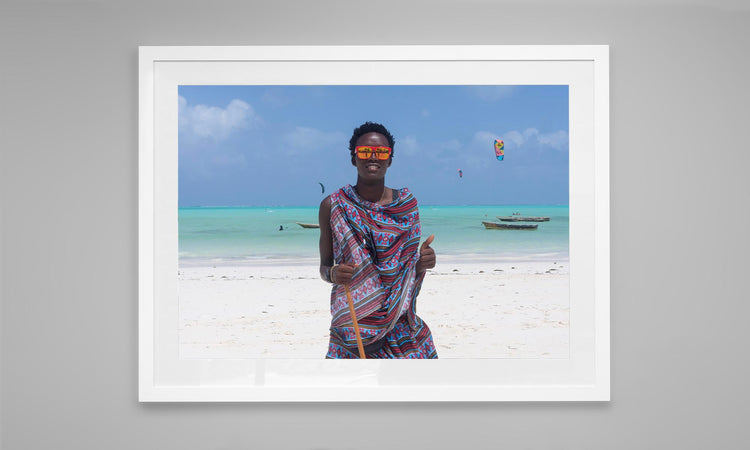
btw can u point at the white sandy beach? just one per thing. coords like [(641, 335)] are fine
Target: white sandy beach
[(475, 309)]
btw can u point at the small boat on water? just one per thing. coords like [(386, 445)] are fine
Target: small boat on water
[(308, 225), (523, 219), (509, 226)]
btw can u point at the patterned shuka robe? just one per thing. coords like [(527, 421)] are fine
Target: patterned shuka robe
[(382, 242)]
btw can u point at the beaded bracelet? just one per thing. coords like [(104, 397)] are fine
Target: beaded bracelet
[(326, 276)]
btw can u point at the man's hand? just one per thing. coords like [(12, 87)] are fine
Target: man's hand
[(426, 255), (342, 273)]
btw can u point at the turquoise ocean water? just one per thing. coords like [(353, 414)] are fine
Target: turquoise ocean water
[(237, 234)]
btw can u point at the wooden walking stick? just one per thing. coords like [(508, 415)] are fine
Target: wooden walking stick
[(354, 321)]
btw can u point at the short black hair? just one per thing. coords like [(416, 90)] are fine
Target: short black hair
[(370, 127)]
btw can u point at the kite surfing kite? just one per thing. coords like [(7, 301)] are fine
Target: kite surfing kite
[(460, 173), (499, 149), (322, 188)]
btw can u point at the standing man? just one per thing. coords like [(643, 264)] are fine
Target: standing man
[(369, 237)]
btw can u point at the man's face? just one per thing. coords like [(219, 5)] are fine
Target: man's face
[(372, 168)]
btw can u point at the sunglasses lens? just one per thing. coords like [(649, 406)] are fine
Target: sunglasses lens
[(381, 153)]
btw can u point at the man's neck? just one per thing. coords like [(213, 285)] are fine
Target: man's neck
[(371, 192)]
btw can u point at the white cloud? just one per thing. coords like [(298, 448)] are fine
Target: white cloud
[(213, 122), (515, 137), (275, 98), (302, 139), (409, 146), (484, 137), (557, 140), (490, 93), (452, 146)]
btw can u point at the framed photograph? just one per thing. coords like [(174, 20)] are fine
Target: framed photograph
[(503, 155)]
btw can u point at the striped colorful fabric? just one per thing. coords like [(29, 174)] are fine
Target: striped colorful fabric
[(382, 242)]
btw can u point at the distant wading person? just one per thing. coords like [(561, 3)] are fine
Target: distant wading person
[(369, 235)]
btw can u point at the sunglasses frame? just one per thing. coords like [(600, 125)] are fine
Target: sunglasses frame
[(374, 149)]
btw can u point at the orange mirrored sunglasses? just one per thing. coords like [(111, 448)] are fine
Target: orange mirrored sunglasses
[(365, 152)]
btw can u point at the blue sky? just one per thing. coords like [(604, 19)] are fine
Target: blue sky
[(271, 145)]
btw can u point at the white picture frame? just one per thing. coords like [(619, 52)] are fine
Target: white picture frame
[(584, 376)]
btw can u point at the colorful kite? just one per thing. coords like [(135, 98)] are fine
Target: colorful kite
[(499, 149), (460, 173)]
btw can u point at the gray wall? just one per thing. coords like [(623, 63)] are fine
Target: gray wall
[(680, 116)]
